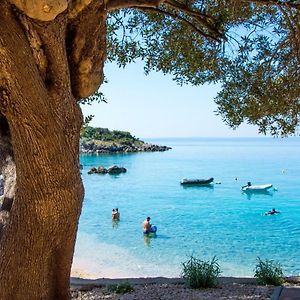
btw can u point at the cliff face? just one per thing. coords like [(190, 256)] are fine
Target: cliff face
[(102, 140)]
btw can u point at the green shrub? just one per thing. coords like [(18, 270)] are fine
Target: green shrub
[(121, 288), (268, 272), (201, 274)]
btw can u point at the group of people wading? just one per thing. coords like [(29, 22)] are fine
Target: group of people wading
[(147, 227)]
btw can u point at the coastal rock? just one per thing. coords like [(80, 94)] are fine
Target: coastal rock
[(93, 171), (93, 148), (101, 170), (116, 170), (153, 148), (110, 170)]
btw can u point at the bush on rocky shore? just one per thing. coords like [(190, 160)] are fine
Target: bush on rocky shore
[(268, 272), (198, 273)]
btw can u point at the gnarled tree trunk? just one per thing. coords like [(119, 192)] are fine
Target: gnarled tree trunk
[(52, 54), (40, 121)]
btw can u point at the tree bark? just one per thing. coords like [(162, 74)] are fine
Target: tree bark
[(44, 121)]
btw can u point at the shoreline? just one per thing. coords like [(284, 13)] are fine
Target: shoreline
[(78, 281), (79, 277), (115, 273)]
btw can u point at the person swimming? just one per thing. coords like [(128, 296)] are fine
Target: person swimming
[(248, 184), (272, 212)]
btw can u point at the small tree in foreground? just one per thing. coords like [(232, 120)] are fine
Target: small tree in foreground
[(268, 272), (201, 274)]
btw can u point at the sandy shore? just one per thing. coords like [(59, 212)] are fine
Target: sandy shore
[(172, 289), (107, 271)]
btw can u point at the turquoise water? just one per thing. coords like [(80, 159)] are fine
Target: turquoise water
[(220, 221)]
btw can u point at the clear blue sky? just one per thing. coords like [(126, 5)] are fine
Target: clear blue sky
[(155, 106)]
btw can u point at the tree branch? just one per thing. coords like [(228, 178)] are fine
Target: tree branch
[(188, 16), (196, 29), (203, 19), (290, 4), (185, 8), (118, 4)]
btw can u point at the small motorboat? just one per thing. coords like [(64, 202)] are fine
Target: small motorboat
[(257, 188), (197, 181)]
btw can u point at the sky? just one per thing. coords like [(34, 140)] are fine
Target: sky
[(154, 106)]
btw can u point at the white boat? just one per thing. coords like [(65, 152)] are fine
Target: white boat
[(257, 188)]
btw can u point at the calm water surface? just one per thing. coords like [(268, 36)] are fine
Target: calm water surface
[(220, 221)]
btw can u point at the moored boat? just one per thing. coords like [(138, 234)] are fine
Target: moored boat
[(197, 181), (257, 188)]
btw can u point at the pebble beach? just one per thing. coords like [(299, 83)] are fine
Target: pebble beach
[(162, 288), (158, 291)]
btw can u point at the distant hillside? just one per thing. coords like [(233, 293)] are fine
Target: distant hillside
[(103, 140)]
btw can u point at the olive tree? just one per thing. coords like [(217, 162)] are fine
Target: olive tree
[(52, 54)]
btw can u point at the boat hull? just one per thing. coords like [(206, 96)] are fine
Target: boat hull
[(257, 188), (197, 181)]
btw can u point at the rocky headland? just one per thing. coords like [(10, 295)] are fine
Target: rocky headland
[(101, 140)]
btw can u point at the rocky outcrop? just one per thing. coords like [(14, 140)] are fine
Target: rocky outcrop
[(102, 140), (116, 170), (101, 170), (99, 148), (113, 170)]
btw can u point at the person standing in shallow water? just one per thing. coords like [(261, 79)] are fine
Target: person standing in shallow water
[(117, 214), (113, 214), (146, 225)]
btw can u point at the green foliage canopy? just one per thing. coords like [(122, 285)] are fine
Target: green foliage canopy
[(252, 48)]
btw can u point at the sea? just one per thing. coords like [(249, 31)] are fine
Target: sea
[(220, 221)]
